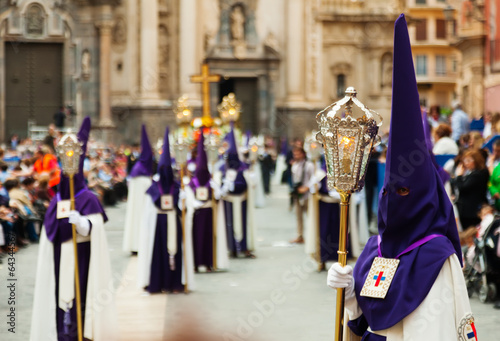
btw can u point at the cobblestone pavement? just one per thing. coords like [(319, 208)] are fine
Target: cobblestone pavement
[(277, 296)]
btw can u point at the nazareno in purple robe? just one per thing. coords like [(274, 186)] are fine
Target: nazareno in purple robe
[(240, 187), (329, 223), (413, 205), (60, 230), (163, 277), (143, 166), (203, 217)]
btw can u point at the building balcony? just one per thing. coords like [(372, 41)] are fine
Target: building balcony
[(448, 78), (359, 10)]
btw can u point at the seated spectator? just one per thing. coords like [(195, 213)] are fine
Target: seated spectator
[(443, 143), (470, 184), (434, 117), (20, 201), (46, 163), (4, 171)]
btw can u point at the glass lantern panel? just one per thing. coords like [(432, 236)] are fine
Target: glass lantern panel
[(347, 140), (330, 163), (366, 157)]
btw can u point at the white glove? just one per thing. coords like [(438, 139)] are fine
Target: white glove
[(82, 224), (334, 194), (312, 181), (217, 189), (197, 204), (182, 194), (341, 277), (228, 186)]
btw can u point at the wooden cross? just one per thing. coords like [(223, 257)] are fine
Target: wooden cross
[(205, 79)]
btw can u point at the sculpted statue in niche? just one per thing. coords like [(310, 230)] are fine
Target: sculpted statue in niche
[(386, 71), (120, 32), (238, 24), (35, 20), (86, 66)]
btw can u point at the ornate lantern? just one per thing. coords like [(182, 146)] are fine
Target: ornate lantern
[(229, 109), (314, 148), (69, 150), (181, 152), (347, 141), (183, 112), (212, 148), (254, 152)]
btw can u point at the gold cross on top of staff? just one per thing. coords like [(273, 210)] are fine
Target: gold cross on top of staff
[(205, 79)]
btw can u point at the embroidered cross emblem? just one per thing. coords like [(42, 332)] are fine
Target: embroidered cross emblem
[(379, 278), (472, 334)]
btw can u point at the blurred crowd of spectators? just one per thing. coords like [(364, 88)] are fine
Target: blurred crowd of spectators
[(30, 174)]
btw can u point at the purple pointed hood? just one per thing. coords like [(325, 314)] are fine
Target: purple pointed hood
[(201, 173), (165, 165), (233, 160), (59, 230), (144, 166), (413, 204)]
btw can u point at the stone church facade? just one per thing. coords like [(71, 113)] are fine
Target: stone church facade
[(124, 62)]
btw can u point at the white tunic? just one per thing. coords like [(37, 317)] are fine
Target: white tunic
[(100, 310), (134, 217)]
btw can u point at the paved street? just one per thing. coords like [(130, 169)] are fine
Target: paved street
[(278, 296)]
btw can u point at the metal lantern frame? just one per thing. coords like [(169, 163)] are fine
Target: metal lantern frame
[(69, 150), (347, 141)]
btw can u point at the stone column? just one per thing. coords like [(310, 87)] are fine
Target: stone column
[(149, 65), (105, 25), (188, 63), (295, 51)]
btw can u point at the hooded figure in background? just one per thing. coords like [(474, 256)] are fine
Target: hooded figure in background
[(200, 219), (323, 221), (427, 298), (238, 201), (161, 255), (54, 306), (138, 184)]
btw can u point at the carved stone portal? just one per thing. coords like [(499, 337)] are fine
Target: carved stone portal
[(35, 20)]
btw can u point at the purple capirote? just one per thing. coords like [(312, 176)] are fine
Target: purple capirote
[(412, 205), (143, 166)]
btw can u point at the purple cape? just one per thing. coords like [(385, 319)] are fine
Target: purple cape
[(85, 201), (143, 166), (406, 219)]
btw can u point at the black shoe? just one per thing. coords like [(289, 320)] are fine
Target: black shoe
[(497, 305)]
